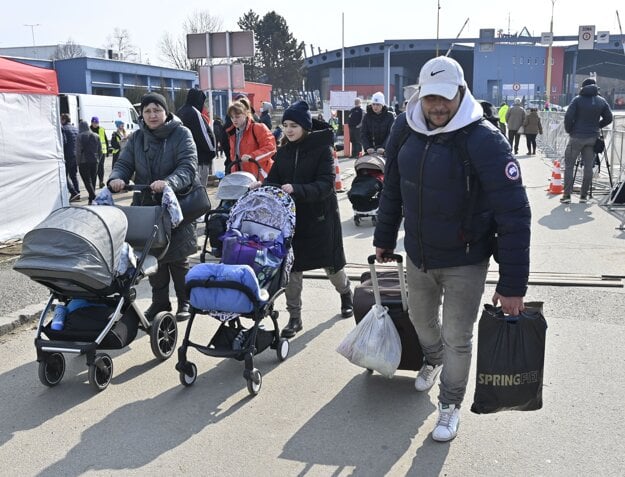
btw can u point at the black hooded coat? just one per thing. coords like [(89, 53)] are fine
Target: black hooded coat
[(203, 136), (309, 166)]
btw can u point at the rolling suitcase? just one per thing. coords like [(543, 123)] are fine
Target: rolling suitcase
[(391, 288)]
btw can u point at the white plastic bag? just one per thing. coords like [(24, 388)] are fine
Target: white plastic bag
[(374, 343)]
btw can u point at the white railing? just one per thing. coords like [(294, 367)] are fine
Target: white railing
[(554, 139)]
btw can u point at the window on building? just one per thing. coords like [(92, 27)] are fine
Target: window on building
[(514, 60), (535, 61), (521, 60)]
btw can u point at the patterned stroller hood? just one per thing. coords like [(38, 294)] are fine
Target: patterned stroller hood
[(266, 205)]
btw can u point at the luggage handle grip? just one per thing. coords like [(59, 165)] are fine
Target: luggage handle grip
[(402, 279), (393, 256)]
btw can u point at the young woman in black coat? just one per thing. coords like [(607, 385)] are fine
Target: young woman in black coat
[(304, 168)]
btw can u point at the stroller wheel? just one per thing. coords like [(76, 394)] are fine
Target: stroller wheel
[(101, 371), (254, 382), (51, 369), (357, 220), (163, 335), (282, 350), (189, 375)]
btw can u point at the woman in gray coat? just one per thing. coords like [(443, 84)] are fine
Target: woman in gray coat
[(162, 153)]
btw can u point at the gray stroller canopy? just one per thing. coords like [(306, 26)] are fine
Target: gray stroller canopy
[(78, 244), (234, 185), (370, 161)]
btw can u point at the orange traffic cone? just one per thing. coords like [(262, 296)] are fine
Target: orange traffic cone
[(556, 187), (338, 183)]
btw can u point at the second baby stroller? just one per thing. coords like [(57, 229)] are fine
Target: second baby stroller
[(84, 256), (231, 188), (367, 186), (256, 262)]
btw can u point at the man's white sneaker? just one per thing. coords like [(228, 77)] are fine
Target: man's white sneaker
[(447, 425), (427, 376)]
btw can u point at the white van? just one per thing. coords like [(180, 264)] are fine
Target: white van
[(108, 109)]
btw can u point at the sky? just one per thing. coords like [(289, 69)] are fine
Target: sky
[(317, 23)]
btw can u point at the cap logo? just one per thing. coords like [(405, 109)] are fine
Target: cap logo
[(434, 73)]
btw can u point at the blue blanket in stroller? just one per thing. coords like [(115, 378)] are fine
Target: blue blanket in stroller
[(224, 299)]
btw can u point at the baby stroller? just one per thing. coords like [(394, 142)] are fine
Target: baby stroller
[(230, 188), (84, 256), (253, 272), (367, 186)]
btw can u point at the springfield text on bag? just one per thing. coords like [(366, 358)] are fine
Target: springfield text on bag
[(508, 379)]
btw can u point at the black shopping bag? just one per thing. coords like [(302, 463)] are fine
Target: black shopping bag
[(510, 360)]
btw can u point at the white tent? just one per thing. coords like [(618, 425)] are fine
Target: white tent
[(32, 169)]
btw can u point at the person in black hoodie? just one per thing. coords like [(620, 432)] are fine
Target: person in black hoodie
[(376, 125), (191, 116), (587, 114), (304, 168), (88, 153)]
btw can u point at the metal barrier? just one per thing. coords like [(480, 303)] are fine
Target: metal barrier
[(553, 143)]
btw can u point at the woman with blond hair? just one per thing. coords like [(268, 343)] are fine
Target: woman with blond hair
[(249, 141)]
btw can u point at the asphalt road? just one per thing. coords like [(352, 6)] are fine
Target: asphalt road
[(318, 415)]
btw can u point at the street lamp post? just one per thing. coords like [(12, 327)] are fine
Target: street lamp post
[(549, 57), (438, 14), (32, 29)]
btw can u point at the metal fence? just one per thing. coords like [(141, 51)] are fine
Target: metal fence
[(612, 170)]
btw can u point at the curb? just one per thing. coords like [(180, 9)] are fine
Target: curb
[(19, 318)]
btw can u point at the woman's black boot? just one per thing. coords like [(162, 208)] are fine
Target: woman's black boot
[(293, 326), (347, 304), (183, 313)]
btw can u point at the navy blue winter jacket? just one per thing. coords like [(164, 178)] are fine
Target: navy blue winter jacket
[(425, 180), (587, 113)]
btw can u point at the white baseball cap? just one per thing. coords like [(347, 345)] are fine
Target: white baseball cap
[(377, 98), (441, 76)]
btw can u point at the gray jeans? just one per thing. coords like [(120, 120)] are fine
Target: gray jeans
[(293, 291), (459, 290), (574, 147), (204, 171)]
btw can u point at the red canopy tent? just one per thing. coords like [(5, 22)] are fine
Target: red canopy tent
[(32, 168), (17, 77)]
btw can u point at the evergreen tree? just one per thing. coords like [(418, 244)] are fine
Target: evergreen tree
[(253, 66), (279, 57)]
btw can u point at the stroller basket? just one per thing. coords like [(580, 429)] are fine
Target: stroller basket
[(86, 324)]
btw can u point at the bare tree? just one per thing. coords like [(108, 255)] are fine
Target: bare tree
[(174, 47), (121, 44), (68, 50)]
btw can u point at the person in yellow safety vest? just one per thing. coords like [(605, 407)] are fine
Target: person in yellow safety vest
[(503, 109), (334, 124), (95, 127), (118, 139)]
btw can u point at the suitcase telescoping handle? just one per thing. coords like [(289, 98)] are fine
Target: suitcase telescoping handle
[(402, 279)]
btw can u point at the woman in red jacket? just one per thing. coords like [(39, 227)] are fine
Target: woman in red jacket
[(249, 140)]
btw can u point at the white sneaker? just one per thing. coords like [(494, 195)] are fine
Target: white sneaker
[(427, 376), (447, 425)]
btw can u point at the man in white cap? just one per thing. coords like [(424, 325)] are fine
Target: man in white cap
[(451, 177), (376, 125)]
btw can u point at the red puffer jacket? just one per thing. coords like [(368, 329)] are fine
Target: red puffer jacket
[(258, 142)]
